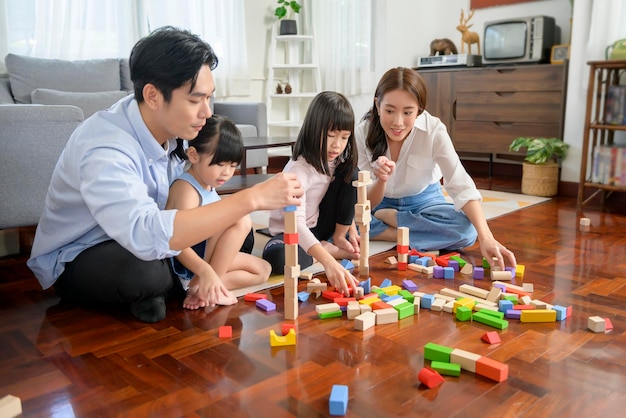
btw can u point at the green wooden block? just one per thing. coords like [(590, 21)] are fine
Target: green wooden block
[(405, 309), (463, 313), (490, 320), (486, 264), (379, 291), (334, 314), (459, 260), (407, 295), (436, 352), (512, 298), (496, 314), (449, 369)]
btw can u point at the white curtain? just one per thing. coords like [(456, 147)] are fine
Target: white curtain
[(344, 34), (87, 29), (608, 24)]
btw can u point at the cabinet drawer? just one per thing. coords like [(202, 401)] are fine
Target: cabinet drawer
[(536, 78), (542, 107), (495, 137)]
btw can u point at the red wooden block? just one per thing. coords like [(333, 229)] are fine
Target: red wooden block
[(253, 297), (608, 325), (290, 238), (343, 301), (491, 337), (442, 261), (380, 305), (286, 327), (403, 266), (430, 377), (568, 311), (523, 307), (492, 369), (331, 296), (402, 249), (226, 331)]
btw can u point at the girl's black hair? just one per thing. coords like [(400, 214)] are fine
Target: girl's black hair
[(399, 78), (219, 136), (328, 111)]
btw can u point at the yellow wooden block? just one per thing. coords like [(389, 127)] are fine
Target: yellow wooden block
[(538, 315), (369, 301), (467, 302), (519, 271), (391, 290), (279, 341)]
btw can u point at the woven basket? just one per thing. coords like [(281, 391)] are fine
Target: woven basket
[(540, 179)]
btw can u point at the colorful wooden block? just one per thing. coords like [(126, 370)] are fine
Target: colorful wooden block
[(436, 352), (385, 283), (427, 300), (446, 369), (409, 285), (438, 272), (430, 377), (405, 310), (280, 340), (491, 337), (538, 315), (448, 273), (303, 296), (463, 313), (386, 316), (479, 273), (484, 318), (225, 331), (492, 369), (338, 401), (284, 328), (265, 305), (596, 324), (290, 238), (365, 321), (466, 359), (253, 297)]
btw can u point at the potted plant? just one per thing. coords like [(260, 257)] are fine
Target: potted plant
[(284, 12), (540, 171)]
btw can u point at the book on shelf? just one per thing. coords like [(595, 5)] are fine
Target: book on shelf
[(615, 106), (609, 165)]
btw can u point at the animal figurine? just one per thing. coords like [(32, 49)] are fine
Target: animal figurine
[(467, 37), (442, 46), (288, 88), (279, 89)]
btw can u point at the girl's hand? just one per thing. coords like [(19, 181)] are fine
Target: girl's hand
[(384, 168), (350, 245), (209, 290), (491, 248), (339, 277)]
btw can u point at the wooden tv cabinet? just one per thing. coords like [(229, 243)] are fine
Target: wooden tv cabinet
[(485, 108)]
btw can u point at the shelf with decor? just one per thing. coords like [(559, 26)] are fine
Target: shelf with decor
[(602, 166)]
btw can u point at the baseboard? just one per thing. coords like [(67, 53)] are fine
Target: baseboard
[(9, 242)]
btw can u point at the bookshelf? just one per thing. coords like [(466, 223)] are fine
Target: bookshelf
[(598, 132)]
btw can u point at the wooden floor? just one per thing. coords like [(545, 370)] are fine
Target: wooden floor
[(68, 361)]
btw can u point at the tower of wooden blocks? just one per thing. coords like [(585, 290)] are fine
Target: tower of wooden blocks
[(292, 268), (403, 247), (363, 217)]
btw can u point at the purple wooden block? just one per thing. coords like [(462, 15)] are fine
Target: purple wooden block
[(512, 270), (454, 264), (265, 305), (513, 314), (438, 272), (409, 285), (501, 286), (479, 273)]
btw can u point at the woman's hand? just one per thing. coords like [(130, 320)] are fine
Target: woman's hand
[(490, 249), (339, 277), (384, 168)]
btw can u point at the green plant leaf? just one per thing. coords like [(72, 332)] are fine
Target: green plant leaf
[(540, 150)]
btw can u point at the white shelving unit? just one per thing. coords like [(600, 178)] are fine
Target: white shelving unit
[(293, 59)]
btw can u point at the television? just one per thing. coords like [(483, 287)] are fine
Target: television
[(519, 40)]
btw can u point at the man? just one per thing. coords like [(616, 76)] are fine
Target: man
[(104, 236)]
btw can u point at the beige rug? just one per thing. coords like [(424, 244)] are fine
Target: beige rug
[(494, 204)]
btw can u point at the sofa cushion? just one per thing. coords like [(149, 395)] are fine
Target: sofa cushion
[(89, 103), (27, 74), (125, 82)]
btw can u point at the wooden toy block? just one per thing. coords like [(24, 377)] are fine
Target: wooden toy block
[(253, 297), (528, 287), (386, 316), (467, 269), (292, 272), (444, 297), (521, 307), (483, 307), (463, 313), (538, 315), (313, 286), (479, 273), (280, 341), (291, 208), (491, 337), (448, 273), (380, 305), (409, 285), (365, 308), (560, 312), (494, 294), (519, 272), (363, 218), (438, 272), (365, 321), (338, 401), (494, 264), (430, 377), (492, 313), (568, 311), (510, 270), (395, 302), (456, 294), (403, 258), (492, 369), (369, 300), (366, 285), (474, 291), (347, 264), (327, 307), (510, 296), (364, 177), (331, 295), (526, 300), (403, 237), (303, 296), (343, 301), (328, 315), (353, 311), (10, 406), (454, 265), (436, 352), (359, 292), (446, 369), (584, 224), (290, 308), (596, 324), (427, 301), (459, 260), (437, 305), (500, 275), (385, 283), (290, 223), (364, 270), (290, 238), (284, 328), (361, 208), (511, 288), (306, 275), (482, 317), (448, 307), (391, 289), (486, 264), (608, 324), (291, 255), (466, 359), (513, 314), (405, 309), (225, 331), (265, 305), (391, 260)]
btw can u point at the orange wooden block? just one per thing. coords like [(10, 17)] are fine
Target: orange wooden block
[(290, 238), (343, 301), (380, 305), (226, 331), (491, 337), (253, 297), (523, 307), (430, 377), (492, 369)]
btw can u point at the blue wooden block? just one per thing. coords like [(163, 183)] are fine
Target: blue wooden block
[(386, 283), (387, 298), (448, 272), (426, 301), (338, 402), (561, 312), (291, 208), (504, 305), (413, 259), (265, 305), (438, 272), (347, 264), (409, 285), (366, 285), (479, 273), (303, 296), (513, 314)]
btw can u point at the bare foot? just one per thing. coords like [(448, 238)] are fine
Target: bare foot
[(338, 253), (192, 301), (225, 300), (388, 216)]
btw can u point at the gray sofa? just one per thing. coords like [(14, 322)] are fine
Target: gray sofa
[(43, 100)]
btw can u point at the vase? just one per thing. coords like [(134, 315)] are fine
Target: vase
[(540, 179), (288, 27)]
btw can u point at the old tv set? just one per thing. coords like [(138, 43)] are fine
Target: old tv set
[(519, 40)]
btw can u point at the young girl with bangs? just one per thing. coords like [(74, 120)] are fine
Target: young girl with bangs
[(209, 269), (324, 162)]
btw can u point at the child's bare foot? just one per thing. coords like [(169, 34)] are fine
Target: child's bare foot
[(225, 300), (192, 300), (338, 253), (388, 216)]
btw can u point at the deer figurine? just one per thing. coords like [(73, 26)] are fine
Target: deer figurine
[(467, 37)]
